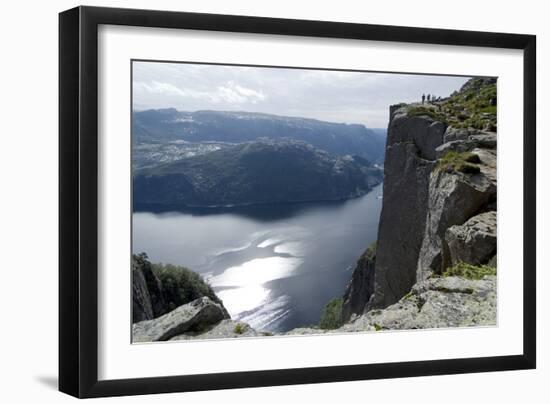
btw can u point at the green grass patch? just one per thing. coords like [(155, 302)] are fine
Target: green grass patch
[(491, 109), (377, 327), (468, 271), (468, 108), (465, 162), (240, 328), (425, 111), (332, 315)]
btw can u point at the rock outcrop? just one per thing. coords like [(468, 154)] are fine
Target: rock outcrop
[(436, 303), (159, 289), (438, 211), (147, 300), (193, 317)]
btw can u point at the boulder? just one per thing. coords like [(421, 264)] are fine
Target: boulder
[(459, 146), (200, 314), (474, 242), (452, 134), (486, 140)]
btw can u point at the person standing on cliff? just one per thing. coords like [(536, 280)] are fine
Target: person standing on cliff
[(423, 98), (428, 98)]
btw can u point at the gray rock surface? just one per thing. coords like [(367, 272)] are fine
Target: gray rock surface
[(452, 133), (307, 331), (474, 242), (361, 285), (423, 131), (459, 146), (436, 303), (453, 199), (411, 143), (147, 302), (474, 140), (198, 315), (224, 329), (141, 300), (485, 139)]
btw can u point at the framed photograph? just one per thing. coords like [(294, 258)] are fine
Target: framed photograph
[(251, 201)]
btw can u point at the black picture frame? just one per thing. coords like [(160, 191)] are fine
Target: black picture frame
[(78, 201)]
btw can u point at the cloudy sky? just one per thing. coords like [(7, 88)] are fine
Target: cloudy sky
[(335, 96)]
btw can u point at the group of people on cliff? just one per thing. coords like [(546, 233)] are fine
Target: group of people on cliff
[(430, 98)]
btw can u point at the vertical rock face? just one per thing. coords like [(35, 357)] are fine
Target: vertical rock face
[(360, 287), (141, 300), (147, 302), (409, 161)]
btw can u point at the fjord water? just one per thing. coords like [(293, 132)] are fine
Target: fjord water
[(274, 266)]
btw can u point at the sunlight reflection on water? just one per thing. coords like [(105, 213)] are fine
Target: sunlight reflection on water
[(239, 300), (246, 297), (256, 272)]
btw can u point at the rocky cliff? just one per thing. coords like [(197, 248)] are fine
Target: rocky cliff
[(147, 299), (158, 289), (361, 285), (438, 215)]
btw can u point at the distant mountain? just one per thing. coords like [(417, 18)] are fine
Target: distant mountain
[(168, 125), (263, 171)]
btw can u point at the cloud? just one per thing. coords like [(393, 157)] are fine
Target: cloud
[(230, 92), (156, 87), (236, 94)]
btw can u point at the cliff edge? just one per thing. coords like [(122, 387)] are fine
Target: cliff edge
[(438, 219)]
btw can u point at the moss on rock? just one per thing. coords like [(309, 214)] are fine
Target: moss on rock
[(468, 271)]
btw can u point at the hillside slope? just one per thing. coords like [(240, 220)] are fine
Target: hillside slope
[(169, 125), (264, 171)]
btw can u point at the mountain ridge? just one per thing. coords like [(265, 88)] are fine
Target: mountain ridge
[(169, 124)]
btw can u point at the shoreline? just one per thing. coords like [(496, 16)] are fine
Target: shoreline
[(166, 208)]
